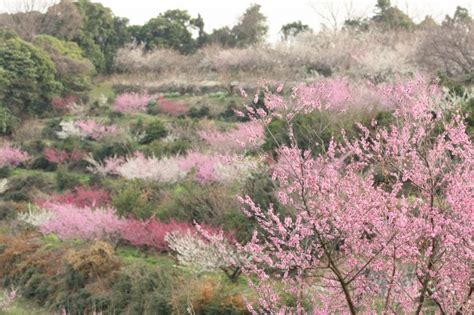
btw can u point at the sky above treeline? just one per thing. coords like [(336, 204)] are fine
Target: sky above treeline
[(218, 13)]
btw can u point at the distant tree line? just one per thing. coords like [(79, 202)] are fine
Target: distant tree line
[(57, 49)]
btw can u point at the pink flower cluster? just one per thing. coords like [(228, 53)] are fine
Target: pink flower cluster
[(246, 135), (61, 156), (339, 95), (217, 168), (386, 217), (80, 197), (11, 156), (95, 130), (132, 102), (171, 107), (151, 233), (72, 217), (64, 103), (69, 221)]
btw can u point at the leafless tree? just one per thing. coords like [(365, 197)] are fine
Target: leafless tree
[(449, 49), (15, 6), (334, 13), (62, 20)]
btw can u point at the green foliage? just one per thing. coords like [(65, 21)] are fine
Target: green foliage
[(136, 198), (390, 17), (172, 29), (7, 210), (160, 148), (292, 29), (252, 27), (8, 122), (67, 180), (223, 36), (74, 71), (212, 204), (153, 131), (357, 24), (142, 290), (5, 171), (306, 133), (105, 150), (195, 112), (22, 187), (102, 34), (27, 76), (469, 110)]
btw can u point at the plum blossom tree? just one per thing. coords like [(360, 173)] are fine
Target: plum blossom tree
[(205, 168), (152, 233), (217, 167), (206, 252), (245, 136), (87, 128), (35, 216), (381, 223), (11, 156), (80, 197), (61, 156), (68, 221), (132, 102)]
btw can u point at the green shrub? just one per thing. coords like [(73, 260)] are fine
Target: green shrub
[(195, 112), (212, 204), (7, 210), (105, 150), (306, 131), (43, 164), (159, 148), (66, 180), (28, 76), (8, 122), (153, 131), (142, 290), (137, 198), (5, 171), (23, 187), (74, 71)]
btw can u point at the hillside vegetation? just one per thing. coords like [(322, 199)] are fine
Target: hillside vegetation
[(160, 169)]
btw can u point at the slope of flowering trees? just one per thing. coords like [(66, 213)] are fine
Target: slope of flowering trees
[(382, 222), (204, 167), (348, 217)]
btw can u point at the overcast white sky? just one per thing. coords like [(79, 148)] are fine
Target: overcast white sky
[(218, 13)]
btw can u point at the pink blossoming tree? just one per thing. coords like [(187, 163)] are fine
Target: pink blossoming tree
[(244, 136), (69, 221), (132, 102), (12, 156), (382, 223), (61, 156)]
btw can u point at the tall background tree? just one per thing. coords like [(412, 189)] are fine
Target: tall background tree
[(292, 29), (28, 76), (252, 27), (102, 34), (174, 29), (449, 48), (391, 17)]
